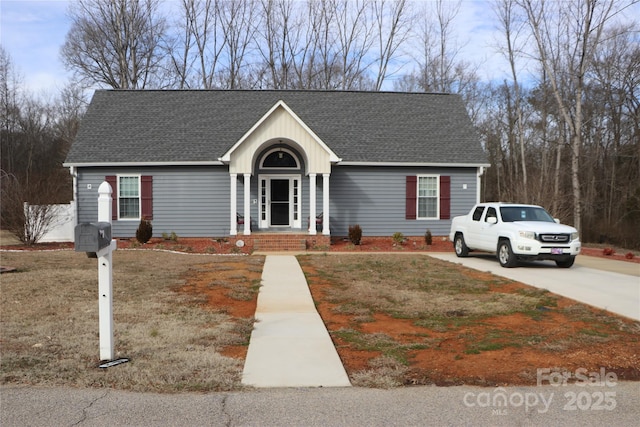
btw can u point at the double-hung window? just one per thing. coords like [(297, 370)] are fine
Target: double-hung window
[(132, 196), (129, 197), (428, 197)]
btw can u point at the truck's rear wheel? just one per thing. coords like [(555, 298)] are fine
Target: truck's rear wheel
[(505, 255), (460, 246)]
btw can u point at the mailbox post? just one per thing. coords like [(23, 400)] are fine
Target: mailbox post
[(105, 276), (96, 237)]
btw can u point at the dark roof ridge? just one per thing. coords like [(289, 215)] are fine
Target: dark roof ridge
[(281, 90)]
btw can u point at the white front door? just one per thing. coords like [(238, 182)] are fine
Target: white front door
[(280, 205)]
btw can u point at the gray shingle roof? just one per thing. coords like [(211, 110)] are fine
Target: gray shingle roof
[(191, 126)]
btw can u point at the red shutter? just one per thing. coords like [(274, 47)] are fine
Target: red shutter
[(112, 180), (411, 193), (147, 197), (445, 197)]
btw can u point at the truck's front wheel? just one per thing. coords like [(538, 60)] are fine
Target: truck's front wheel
[(506, 255), (566, 263), (460, 246)]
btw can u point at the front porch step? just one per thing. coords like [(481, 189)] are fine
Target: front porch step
[(275, 242)]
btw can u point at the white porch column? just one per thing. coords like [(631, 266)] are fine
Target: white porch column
[(247, 204), (312, 203), (325, 204), (233, 201)]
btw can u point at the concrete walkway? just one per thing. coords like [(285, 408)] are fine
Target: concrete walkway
[(290, 346)]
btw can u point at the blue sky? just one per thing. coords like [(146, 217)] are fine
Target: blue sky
[(32, 32)]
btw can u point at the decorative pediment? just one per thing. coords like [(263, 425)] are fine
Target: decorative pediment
[(280, 124)]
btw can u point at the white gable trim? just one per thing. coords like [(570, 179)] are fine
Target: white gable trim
[(226, 158)]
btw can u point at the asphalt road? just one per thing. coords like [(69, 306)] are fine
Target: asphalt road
[(611, 285), (601, 403)]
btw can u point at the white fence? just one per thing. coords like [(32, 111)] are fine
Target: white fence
[(62, 226)]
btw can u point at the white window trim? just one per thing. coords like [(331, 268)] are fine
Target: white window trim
[(128, 175), (275, 150), (437, 177)]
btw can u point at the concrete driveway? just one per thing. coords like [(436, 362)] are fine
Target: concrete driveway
[(607, 284)]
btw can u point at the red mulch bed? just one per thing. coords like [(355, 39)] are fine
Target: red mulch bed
[(628, 256), (338, 244)]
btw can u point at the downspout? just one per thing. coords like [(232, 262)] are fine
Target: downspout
[(479, 183), (74, 174)]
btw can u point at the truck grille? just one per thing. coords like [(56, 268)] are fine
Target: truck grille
[(554, 238)]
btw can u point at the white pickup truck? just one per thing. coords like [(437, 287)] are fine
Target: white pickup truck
[(515, 232)]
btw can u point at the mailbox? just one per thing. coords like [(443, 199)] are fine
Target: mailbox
[(92, 236)]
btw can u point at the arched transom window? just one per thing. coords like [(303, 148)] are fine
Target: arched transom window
[(280, 158)]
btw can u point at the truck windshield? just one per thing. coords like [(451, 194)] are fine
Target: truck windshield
[(524, 213)]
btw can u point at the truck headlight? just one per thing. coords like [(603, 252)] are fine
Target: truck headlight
[(575, 236), (527, 235)]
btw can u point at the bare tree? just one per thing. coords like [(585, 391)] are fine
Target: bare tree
[(439, 52), (316, 64), (512, 29), (179, 48), (611, 150), (567, 35), (280, 36), (9, 114), (353, 40), (115, 42), (239, 20), (68, 111), (393, 26), (35, 136), (305, 50), (203, 30)]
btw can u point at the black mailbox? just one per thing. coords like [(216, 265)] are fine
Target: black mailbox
[(92, 236)]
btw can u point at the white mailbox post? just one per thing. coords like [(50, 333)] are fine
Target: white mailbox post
[(105, 277)]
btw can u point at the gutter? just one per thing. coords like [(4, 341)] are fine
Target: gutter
[(128, 164), (419, 164)]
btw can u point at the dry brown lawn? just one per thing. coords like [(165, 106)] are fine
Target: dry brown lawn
[(173, 337), (411, 319), (396, 319)]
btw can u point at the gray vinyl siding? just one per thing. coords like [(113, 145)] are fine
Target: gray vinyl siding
[(190, 201), (375, 198), (194, 201)]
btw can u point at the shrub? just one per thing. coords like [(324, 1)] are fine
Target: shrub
[(428, 238), (629, 255), (608, 251), (355, 234), (173, 236), (398, 238), (144, 231)]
